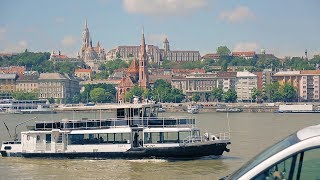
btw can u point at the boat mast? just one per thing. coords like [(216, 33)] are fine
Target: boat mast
[(15, 129)]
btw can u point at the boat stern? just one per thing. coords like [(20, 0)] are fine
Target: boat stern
[(11, 149)]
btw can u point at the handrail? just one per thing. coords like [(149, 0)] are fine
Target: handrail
[(118, 122), (224, 136)]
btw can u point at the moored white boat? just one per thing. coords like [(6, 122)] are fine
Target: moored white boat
[(136, 132), (12, 106)]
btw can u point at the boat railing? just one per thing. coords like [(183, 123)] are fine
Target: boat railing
[(225, 136), (152, 122)]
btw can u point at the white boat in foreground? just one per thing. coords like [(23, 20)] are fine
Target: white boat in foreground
[(136, 132)]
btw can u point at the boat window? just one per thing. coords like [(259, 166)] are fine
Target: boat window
[(147, 112), (110, 138), (183, 135), (120, 113), (196, 133), (161, 137), (283, 144), (48, 138), (7, 148), (38, 138)]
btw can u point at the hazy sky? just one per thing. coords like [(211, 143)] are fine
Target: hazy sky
[(284, 28)]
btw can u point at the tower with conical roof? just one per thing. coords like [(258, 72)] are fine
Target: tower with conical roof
[(143, 69), (85, 35)]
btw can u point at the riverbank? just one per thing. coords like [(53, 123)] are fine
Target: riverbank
[(182, 107)]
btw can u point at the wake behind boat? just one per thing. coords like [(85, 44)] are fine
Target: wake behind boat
[(136, 132)]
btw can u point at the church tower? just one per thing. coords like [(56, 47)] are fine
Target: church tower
[(85, 35), (166, 45), (143, 70)]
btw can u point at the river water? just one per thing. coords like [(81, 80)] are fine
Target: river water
[(250, 134)]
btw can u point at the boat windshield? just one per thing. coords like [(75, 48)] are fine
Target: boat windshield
[(283, 144)]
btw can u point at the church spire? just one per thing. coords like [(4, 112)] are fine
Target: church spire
[(143, 69), (85, 23), (143, 46)]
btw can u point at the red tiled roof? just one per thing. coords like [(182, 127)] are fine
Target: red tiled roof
[(211, 56), (83, 70), (60, 56), (247, 53), (310, 72), (134, 67)]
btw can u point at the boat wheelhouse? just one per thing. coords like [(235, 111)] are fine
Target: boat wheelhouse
[(135, 132)]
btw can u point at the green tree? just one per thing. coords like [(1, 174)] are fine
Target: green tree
[(135, 91), (51, 100), (195, 97), (115, 64), (110, 95), (288, 92), (101, 75), (65, 67), (271, 89), (223, 51), (177, 95), (98, 95), (256, 94), (20, 95), (230, 96), (217, 94), (277, 97)]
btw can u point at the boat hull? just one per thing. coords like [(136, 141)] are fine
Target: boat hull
[(10, 154), (188, 151)]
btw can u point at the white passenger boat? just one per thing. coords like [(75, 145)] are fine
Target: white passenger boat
[(136, 132), (12, 106)]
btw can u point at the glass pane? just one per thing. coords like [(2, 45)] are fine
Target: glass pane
[(311, 164), (279, 171)]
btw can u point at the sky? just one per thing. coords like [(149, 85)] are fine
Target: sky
[(283, 28)]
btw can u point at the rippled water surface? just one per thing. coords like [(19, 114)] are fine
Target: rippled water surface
[(251, 133)]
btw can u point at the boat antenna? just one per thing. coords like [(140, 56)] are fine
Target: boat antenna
[(15, 129), (228, 120), (7, 129)]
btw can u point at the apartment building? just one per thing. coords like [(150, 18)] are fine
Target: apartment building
[(245, 83)]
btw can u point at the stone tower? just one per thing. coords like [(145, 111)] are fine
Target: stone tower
[(143, 70), (85, 35), (166, 45)]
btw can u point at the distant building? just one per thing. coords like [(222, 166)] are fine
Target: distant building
[(178, 55), (28, 82), (19, 70), (84, 74), (306, 83), (59, 58), (214, 56), (154, 53), (203, 83), (263, 78), (245, 83), (92, 56), (7, 84), (58, 86)]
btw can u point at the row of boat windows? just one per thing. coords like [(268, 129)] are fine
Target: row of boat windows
[(112, 138), (108, 123), (124, 138)]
